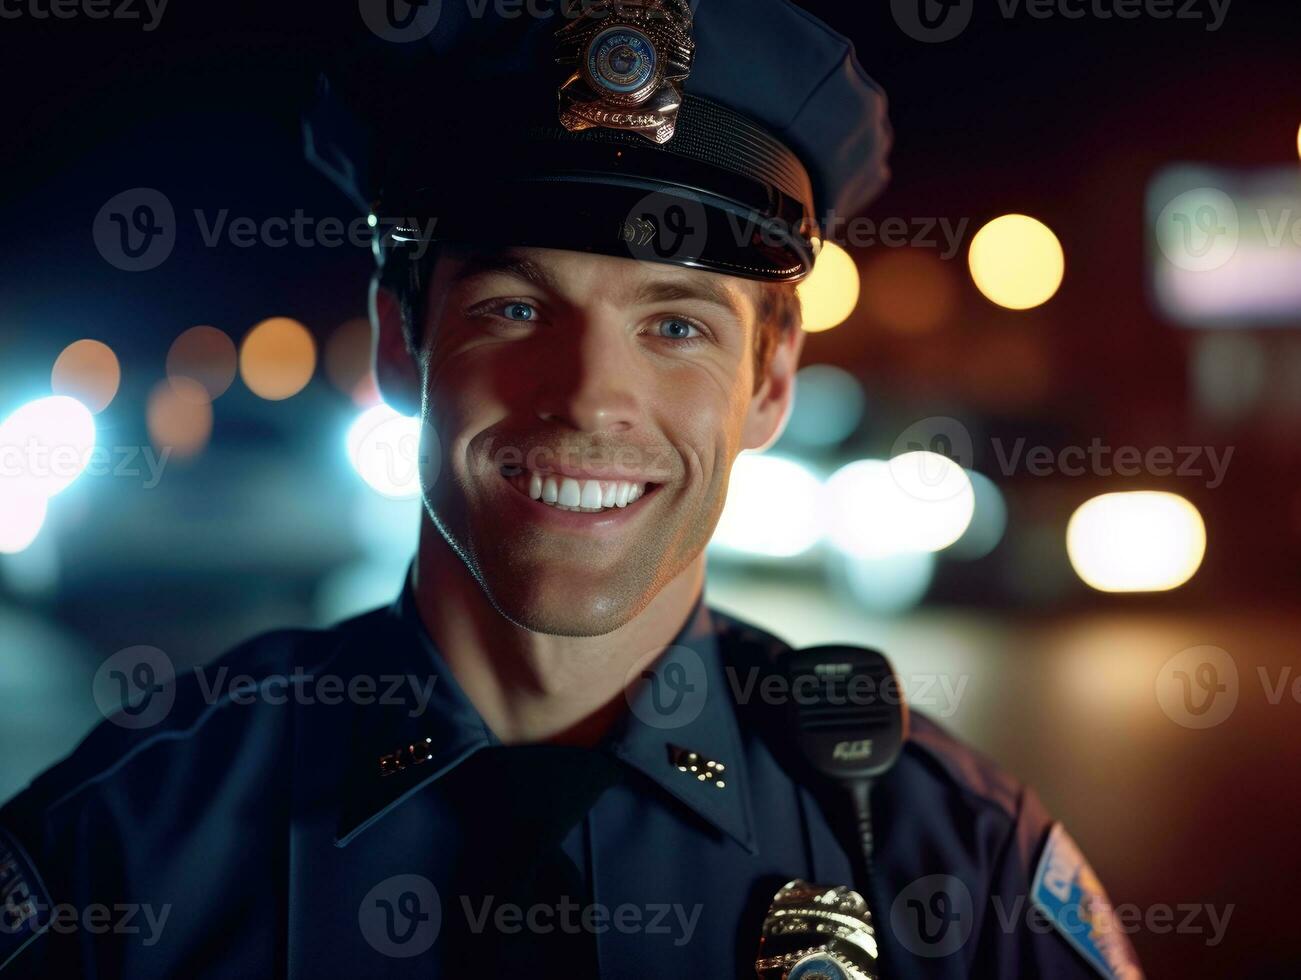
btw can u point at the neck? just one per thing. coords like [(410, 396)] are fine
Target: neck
[(534, 687)]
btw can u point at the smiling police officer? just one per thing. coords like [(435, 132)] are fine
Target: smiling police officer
[(589, 299)]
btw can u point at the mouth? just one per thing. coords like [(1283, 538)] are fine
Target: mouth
[(580, 495)]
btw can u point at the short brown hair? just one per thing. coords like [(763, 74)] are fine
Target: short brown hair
[(777, 307)]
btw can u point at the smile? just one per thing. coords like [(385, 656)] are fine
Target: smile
[(580, 495)]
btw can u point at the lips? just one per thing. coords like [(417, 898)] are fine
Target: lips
[(581, 495)]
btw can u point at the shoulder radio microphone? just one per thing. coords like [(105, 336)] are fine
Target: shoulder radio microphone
[(849, 721)]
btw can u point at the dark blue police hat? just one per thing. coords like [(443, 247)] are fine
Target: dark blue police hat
[(721, 137)]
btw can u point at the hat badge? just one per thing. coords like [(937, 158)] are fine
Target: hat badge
[(628, 59)]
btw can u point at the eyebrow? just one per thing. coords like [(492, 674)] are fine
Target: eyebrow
[(702, 289), (504, 263)]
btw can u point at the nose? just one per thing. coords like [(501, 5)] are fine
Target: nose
[(589, 378)]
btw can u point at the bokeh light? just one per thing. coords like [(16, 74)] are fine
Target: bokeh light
[(21, 517), (829, 405), (830, 294), (278, 358), (988, 520), (1298, 141), (204, 355), (384, 448), (88, 371), (773, 509), (919, 501), (909, 291), (179, 417), (889, 584), (348, 362), (1143, 541), (1017, 262), (44, 446)]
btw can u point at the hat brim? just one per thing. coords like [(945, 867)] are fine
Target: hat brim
[(617, 215)]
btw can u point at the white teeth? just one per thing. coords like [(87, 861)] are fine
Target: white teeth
[(581, 496), (570, 494)]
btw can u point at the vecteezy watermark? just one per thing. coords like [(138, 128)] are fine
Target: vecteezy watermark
[(148, 12), (402, 22), (95, 919), (403, 916), (40, 461), (1099, 459), (940, 694), (1102, 920), (1200, 687), (1201, 229), (671, 692), (933, 916), (136, 688), (937, 21), (942, 435), (136, 230)]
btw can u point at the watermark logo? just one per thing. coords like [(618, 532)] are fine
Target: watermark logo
[(135, 231), (663, 227), (933, 916), (135, 688), (1198, 687), (932, 21), (1199, 230), (399, 21), (148, 12), (671, 693), (401, 916)]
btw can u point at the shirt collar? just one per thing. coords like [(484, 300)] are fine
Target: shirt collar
[(680, 706)]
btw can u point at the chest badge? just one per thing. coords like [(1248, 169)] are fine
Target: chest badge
[(816, 932), (628, 59)]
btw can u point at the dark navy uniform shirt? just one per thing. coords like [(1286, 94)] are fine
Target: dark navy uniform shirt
[(302, 811)]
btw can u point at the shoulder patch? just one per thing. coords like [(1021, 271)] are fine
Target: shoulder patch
[(24, 904), (1071, 897)]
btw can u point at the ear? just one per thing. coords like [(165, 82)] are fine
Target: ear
[(772, 402), (396, 371)]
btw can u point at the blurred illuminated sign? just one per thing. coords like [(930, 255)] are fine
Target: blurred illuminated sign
[(1225, 247)]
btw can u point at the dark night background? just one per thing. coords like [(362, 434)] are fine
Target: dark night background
[(1067, 120)]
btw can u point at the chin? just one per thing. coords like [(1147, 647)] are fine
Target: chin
[(547, 600)]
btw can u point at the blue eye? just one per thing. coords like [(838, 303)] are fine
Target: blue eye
[(675, 329), (520, 311)]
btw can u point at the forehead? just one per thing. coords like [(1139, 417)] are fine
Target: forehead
[(579, 275)]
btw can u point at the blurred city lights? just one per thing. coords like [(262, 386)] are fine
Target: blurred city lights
[(910, 291), (23, 514), (829, 404), (919, 501), (44, 446), (891, 583), (206, 356), (89, 372), (1017, 262), (1142, 541), (384, 448), (348, 362), (830, 294), (1298, 141), (774, 508), (988, 520), (278, 358), (179, 416)]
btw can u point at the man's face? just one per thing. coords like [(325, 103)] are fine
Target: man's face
[(588, 411)]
